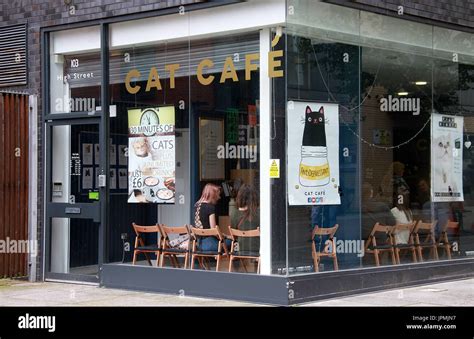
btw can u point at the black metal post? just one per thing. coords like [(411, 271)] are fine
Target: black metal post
[(104, 143), (46, 142)]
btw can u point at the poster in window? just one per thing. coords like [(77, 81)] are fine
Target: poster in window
[(113, 154), (446, 158), (123, 155), (151, 164), (313, 153), (87, 173), (87, 154), (123, 178), (113, 179), (211, 139), (96, 154)]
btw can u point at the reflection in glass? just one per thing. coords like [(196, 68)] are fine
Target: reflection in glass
[(388, 77)]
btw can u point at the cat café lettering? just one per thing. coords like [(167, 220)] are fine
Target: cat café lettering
[(448, 122), (228, 72)]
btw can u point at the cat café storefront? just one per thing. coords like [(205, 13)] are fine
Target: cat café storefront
[(339, 141)]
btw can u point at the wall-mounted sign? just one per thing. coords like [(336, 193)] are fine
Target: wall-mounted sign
[(87, 177), (313, 153), (72, 210), (211, 139), (151, 164), (274, 168), (87, 153), (93, 195), (446, 157), (75, 164)]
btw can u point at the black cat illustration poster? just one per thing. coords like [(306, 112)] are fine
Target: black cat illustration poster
[(446, 158), (313, 153)]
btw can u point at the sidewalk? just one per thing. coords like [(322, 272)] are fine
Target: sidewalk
[(453, 293), (20, 293)]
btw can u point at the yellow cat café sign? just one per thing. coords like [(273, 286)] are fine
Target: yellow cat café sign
[(228, 72)]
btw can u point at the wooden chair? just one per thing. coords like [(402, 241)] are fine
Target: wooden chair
[(196, 253), (372, 247), (243, 255), (174, 252), (140, 243), (425, 238), (409, 246), (443, 241), (330, 244)]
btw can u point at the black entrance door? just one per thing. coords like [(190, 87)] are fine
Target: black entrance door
[(74, 184)]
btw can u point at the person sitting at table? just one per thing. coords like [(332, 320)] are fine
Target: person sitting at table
[(246, 217), (205, 217), (233, 196), (402, 214)]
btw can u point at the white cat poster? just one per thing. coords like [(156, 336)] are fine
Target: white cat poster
[(313, 153), (446, 158)]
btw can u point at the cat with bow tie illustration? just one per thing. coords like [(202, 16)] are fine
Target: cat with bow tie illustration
[(314, 166)]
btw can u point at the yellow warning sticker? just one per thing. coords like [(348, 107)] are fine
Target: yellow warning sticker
[(274, 168)]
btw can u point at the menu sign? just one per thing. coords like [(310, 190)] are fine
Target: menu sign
[(446, 158), (151, 162), (211, 138)]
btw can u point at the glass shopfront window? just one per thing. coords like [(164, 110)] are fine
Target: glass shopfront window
[(381, 111), (75, 71), (370, 117), (183, 142), (225, 114), (206, 92), (148, 169)]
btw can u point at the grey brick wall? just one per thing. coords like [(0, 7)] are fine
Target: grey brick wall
[(459, 12), (454, 12)]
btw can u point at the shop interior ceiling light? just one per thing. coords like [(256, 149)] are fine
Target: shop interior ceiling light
[(421, 83), (402, 93)]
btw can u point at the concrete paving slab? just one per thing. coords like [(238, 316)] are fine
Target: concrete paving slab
[(61, 294), (453, 293), (23, 293)]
